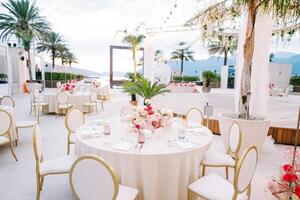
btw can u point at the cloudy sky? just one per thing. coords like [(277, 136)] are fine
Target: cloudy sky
[(90, 26)]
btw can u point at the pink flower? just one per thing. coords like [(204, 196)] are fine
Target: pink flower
[(290, 177), (287, 167)]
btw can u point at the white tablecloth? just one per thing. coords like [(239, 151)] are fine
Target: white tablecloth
[(160, 170), (76, 99), (10, 110)]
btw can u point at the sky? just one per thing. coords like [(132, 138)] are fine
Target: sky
[(91, 26)]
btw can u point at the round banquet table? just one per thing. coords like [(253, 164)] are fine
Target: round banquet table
[(10, 110), (161, 170), (76, 99)]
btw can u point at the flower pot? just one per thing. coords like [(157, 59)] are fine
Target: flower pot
[(134, 103), (254, 132), (206, 89)]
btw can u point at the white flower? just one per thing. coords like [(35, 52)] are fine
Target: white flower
[(147, 102)]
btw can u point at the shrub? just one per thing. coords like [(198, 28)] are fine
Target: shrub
[(58, 76), (295, 80), (210, 76), (186, 78)]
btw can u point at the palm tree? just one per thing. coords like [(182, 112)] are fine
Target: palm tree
[(51, 43), (62, 52), (223, 46), (158, 55), (183, 54), (135, 42), (23, 20), (70, 58)]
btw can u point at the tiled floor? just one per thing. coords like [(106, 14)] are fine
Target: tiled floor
[(17, 179)]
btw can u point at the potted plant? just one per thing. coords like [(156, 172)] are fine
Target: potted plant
[(3, 78), (145, 89), (135, 41), (208, 77), (131, 78)]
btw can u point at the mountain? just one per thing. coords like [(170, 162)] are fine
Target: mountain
[(289, 58), (213, 63)]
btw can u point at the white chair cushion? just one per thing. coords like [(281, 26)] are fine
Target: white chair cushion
[(3, 140), (127, 193), (57, 165), (216, 158), (25, 124), (89, 104), (214, 187), (64, 106)]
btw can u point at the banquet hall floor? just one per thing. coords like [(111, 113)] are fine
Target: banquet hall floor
[(17, 179)]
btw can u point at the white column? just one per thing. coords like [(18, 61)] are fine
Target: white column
[(224, 76), (9, 72), (149, 58), (260, 76)]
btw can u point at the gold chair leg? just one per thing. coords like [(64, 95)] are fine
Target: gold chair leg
[(249, 191), (17, 134), (12, 151), (97, 108), (226, 172), (42, 183), (68, 148), (203, 170), (102, 105), (190, 196), (38, 187)]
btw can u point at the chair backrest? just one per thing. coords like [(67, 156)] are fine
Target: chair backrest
[(62, 98), (235, 138), (74, 119), (6, 122), (7, 101), (93, 96), (37, 143), (92, 178), (195, 115), (245, 169), (58, 84), (36, 94)]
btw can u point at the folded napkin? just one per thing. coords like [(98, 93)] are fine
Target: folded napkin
[(122, 146), (186, 145), (89, 135)]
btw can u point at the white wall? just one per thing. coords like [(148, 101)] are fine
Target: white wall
[(280, 75)]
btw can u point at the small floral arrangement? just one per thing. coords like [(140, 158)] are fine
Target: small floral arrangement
[(95, 84), (70, 86), (148, 118), (287, 186)]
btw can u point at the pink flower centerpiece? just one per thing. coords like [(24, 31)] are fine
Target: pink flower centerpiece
[(287, 186), (70, 86)]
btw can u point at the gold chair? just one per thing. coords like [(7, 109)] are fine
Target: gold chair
[(228, 159), (5, 131), (93, 169), (7, 101), (61, 165), (63, 102), (29, 123), (195, 113), (35, 99), (92, 102), (73, 120), (215, 187)]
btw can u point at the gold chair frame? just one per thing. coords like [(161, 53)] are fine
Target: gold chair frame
[(233, 154), (66, 109), (236, 176), (91, 102), (198, 110), (8, 133), (9, 97), (101, 162), (39, 177), (37, 115), (70, 132)]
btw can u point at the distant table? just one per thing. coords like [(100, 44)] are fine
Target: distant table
[(76, 99), (162, 169), (10, 110)]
